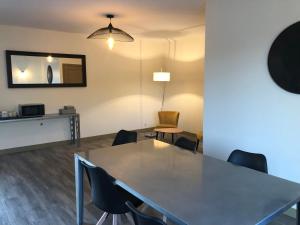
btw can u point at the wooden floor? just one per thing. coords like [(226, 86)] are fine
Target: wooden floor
[(37, 187)]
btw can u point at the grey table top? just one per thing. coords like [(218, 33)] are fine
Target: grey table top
[(195, 189), (44, 117)]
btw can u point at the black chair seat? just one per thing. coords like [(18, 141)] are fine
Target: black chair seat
[(185, 143), (250, 160), (106, 195), (125, 137), (142, 219), (129, 197)]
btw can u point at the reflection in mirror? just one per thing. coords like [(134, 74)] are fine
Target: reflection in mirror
[(29, 69)]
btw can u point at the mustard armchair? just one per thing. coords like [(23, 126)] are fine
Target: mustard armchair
[(168, 119)]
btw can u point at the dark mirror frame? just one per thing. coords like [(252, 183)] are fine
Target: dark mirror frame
[(10, 53)]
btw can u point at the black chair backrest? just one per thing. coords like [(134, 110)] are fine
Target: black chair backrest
[(124, 137), (142, 219), (250, 160), (104, 193), (185, 143)]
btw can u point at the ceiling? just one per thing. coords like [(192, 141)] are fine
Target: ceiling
[(155, 18)]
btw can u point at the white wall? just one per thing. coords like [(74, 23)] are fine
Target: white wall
[(185, 61), (244, 108), (119, 93)]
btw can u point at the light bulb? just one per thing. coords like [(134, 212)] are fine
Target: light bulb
[(22, 74), (50, 59), (110, 42)]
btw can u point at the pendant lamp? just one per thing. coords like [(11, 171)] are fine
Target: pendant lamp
[(111, 34)]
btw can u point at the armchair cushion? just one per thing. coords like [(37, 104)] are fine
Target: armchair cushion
[(165, 126)]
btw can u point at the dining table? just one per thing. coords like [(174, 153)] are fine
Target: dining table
[(190, 188)]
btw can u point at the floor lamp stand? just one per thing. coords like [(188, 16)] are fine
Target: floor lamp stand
[(163, 96), (153, 134)]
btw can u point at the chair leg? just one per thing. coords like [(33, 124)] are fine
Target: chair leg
[(115, 219), (129, 218), (164, 218), (102, 219)]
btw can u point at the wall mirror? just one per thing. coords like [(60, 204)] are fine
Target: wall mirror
[(40, 69)]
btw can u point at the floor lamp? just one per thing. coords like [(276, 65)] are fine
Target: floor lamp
[(162, 77)]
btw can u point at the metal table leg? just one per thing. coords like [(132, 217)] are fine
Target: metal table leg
[(298, 213), (162, 135), (77, 126), (72, 129), (79, 190)]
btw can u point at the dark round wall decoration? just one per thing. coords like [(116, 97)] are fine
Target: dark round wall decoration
[(49, 74), (284, 59)]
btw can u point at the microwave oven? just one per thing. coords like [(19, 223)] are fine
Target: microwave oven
[(31, 110)]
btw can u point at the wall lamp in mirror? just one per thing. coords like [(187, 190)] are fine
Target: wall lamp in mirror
[(41, 69)]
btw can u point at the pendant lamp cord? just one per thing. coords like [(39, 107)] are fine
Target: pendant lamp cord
[(141, 86), (165, 83)]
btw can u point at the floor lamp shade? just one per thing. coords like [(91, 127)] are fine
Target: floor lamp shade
[(161, 76)]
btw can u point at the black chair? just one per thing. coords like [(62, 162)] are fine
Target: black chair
[(250, 160), (185, 143), (142, 219), (124, 137), (107, 196)]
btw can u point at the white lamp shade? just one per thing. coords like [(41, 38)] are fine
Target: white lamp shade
[(162, 76)]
